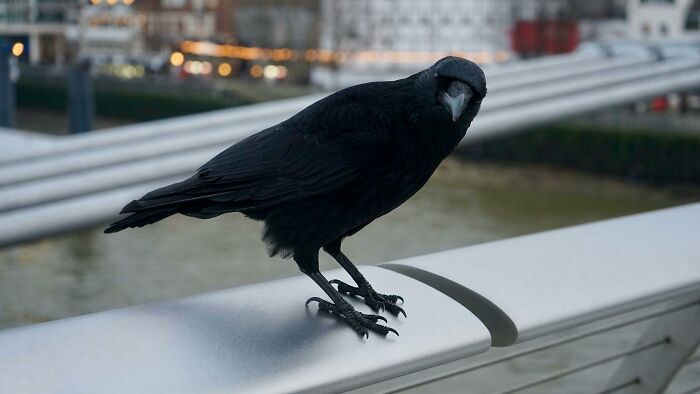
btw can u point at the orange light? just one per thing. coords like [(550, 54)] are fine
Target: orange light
[(207, 48), (224, 69), (128, 2), (501, 56), (18, 49), (311, 55), (177, 58), (256, 71)]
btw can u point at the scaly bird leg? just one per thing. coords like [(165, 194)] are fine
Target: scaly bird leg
[(375, 300), (341, 309)]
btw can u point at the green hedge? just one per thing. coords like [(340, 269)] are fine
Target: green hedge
[(125, 103), (659, 157)]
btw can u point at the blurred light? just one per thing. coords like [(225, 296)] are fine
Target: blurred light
[(207, 48), (125, 71), (18, 49), (206, 68), (501, 56), (128, 2), (282, 72), (311, 55), (224, 69), (95, 2), (111, 2), (256, 71), (197, 67), (187, 66), (177, 58), (271, 72)]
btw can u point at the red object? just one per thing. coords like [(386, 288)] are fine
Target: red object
[(532, 38), (659, 104)]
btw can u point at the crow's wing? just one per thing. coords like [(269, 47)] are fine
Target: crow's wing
[(323, 148)]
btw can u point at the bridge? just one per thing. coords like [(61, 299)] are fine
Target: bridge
[(498, 302)]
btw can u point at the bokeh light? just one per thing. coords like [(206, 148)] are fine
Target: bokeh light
[(256, 71), (177, 58), (18, 49), (224, 69)]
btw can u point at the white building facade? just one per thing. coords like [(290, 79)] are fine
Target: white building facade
[(383, 39)]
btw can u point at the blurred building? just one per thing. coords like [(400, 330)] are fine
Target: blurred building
[(276, 23), (59, 31), (662, 18), (40, 25), (546, 27), (386, 38), (108, 30), (167, 22)]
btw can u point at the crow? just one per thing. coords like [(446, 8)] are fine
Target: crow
[(330, 170)]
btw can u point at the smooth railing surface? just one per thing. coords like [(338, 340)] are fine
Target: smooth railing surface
[(480, 306)]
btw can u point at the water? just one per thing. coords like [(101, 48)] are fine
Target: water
[(463, 204)]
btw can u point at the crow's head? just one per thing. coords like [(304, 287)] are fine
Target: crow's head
[(457, 84)]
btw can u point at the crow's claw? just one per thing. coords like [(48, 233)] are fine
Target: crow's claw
[(395, 309), (374, 300), (393, 298), (358, 321)]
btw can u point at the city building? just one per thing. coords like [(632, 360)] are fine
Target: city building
[(382, 39), (167, 22), (658, 19), (107, 30), (41, 26)]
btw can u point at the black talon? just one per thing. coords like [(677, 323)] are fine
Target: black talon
[(375, 318), (393, 298), (376, 301), (317, 299), (358, 321), (395, 310)]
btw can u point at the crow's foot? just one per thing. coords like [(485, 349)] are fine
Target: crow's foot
[(375, 300), (358, 321)]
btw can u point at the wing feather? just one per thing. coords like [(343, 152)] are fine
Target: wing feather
[(321, 149)]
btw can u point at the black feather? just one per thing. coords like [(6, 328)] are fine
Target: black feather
[(330, 169)]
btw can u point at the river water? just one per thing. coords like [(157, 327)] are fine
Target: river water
[(464, 204)]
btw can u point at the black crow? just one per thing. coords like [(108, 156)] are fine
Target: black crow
[(330, 170)]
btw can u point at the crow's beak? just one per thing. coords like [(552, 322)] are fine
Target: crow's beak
[(456, 104)]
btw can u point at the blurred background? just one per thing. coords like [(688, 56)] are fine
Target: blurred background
[(76, 68)]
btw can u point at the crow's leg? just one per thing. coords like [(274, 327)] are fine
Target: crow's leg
[(375, 300), (341, 309)]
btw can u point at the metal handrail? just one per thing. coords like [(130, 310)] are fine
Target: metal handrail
[(585, 366), (553, 343), (258, 339), (159, 128), (121, 169), (136, 142)]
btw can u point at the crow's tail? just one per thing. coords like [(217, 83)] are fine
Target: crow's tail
[(141, 218), (152, 207), (182, 197)]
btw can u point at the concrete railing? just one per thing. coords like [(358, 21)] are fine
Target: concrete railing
[(483, 305)]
